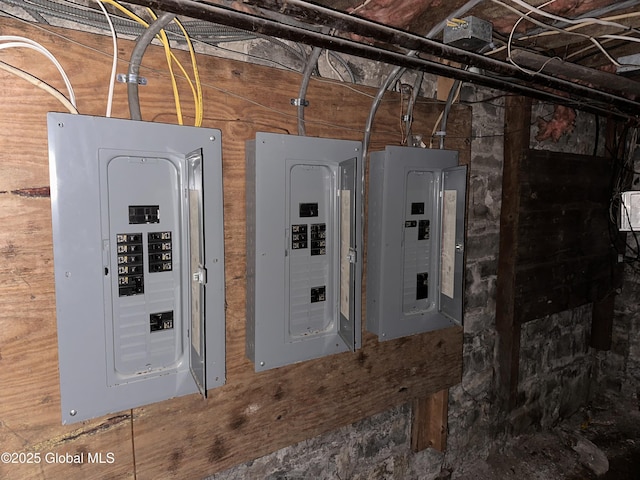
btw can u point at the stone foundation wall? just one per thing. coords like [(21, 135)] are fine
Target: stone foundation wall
[(556, 366)]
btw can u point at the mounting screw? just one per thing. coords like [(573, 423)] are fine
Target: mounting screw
[(262, 364), (212, 138), (61, 124), (72, 413), (67, 274)]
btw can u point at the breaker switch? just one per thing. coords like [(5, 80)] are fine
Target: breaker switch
[(139, 214), (318, 294), (417, 208), (308, 210), (423, 230), (422, 286), (160, 252), (161, 321), (318, 239), (130, 267)]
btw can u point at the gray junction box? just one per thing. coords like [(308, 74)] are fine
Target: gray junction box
[(304, 237), (415, 241), (138, 261)]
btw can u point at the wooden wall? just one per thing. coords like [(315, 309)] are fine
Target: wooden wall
[(555, 245), (253, 414)]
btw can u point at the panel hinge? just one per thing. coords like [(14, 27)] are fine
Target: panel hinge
[(352, 256)]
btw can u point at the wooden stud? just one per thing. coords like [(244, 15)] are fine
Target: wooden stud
[(429, 422), (517, 122)]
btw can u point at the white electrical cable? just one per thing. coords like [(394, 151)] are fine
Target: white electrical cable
[(23, 42), (544, 25), (40, 84), (114, 65), (510, 40), (621, 37), (537, 10)]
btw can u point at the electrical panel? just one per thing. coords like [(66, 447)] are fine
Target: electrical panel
[(138, 260), (304, 244), (415, 242), (629, 220)]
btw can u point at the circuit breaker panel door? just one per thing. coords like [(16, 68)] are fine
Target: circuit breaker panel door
[(133, 249), (302, 235), (454, 181), (349, 243), (411, 251), (197, 272)]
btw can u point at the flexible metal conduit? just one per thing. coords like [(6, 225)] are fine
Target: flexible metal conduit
[(306, 77), (397, 72), (136, 58)]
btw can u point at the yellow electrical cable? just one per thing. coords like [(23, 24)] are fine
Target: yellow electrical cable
[(135, 17), (196, 74)]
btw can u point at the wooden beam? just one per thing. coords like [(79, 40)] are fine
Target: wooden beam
[(602, 322), (603, 310), (429, 422), (557, 67), (517, 121)]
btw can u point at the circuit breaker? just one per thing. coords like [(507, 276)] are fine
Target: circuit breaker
[(138, 261), (304, 237), (415, 241)]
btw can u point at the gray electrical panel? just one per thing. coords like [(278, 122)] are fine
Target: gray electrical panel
[(415, 242), (138, 261), (304, 243)]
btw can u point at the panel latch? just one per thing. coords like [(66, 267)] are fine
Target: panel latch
[(200, 276)]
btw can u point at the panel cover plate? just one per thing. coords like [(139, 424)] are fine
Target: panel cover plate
[(414, 272), (120, 211), (304, 237)]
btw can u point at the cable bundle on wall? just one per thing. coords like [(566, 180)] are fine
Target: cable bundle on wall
[(11, 41)]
